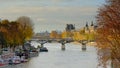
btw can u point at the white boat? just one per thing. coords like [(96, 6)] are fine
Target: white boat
[(16, 60), (2, 63), (23, 59)]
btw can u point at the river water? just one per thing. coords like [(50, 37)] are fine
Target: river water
[(72, 57)]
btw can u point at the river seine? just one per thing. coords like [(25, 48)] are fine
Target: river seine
[(72, 57)]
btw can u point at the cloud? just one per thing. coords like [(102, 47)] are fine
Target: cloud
[(40, 19), (62, 0), (64, 10), (54, 15), (47, 12)]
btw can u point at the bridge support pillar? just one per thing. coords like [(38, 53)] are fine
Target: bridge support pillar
[(83, 46), (42, 45), (63, 47)]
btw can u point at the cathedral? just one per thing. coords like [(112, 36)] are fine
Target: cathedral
[(89, 29)]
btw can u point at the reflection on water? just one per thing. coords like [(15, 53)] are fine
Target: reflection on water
[(72, 57)]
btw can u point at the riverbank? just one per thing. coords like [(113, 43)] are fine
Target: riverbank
[(89, 43), (57, 58), (92, 43), (21, 54)]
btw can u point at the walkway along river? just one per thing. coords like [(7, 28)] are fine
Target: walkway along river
[(72, 57)]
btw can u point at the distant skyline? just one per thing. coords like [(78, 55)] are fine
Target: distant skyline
[(50, 15)]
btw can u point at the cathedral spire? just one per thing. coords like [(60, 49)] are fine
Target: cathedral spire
[(86, 24), (92, 23)]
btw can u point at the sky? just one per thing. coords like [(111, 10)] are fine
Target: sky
[(48, 15)]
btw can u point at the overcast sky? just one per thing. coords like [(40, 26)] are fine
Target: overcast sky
[(51, 14)]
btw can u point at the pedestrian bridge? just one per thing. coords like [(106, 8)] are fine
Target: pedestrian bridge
[(62, 41)]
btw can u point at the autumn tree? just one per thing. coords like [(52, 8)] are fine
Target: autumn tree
[(108, 38), (10, 33), (15, 33), (3, 31), (26, 27), (53, 34)]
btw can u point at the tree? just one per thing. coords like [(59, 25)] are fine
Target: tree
[(108, 31), (9, 33), (53, 34), (14, 33), (26, 27), (4, 30)]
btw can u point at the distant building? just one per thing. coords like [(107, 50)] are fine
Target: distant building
[(42, 36), (70, 27), (89, 29), (92, 27), (68, 33), (86, 28)]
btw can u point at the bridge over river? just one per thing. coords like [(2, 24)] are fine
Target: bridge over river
[(72, 57)]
